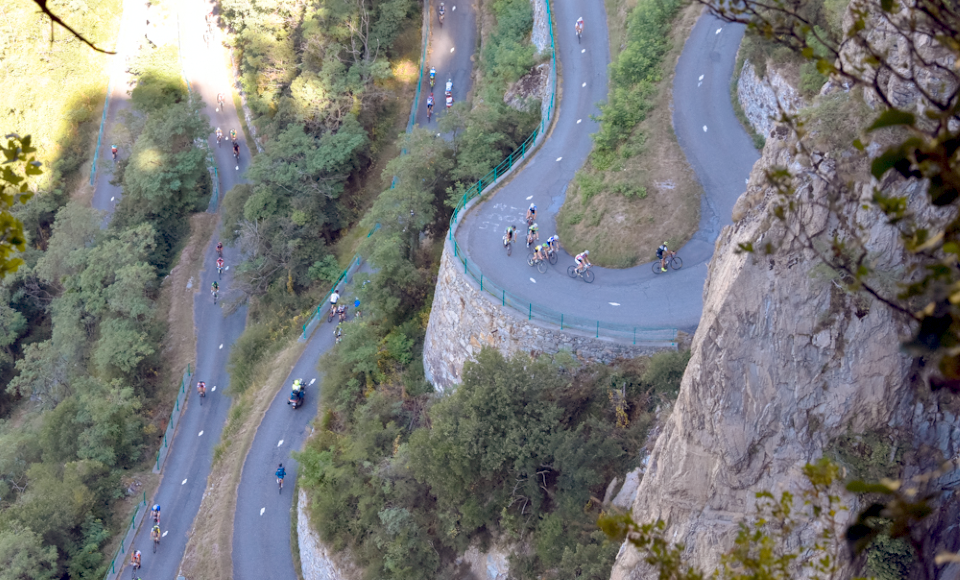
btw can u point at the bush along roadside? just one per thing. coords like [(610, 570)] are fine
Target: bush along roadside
[(516, 456), (636, 189)]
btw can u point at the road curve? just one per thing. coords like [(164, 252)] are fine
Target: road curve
[(185, 472), (722, 157), (262, 520)]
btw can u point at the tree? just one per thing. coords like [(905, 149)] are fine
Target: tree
[(18, 167), (23, 555)]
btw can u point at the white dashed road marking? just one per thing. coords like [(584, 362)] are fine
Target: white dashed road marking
[(532, 280), (454, 8), (704, 128), (263, 509), (315, 380), (221, 347), (529, 197), (113, 198), (718, 31), (578, 121), (281, 443), (214, 388), (164, 534), (701, 78), (201, 434), (614, 303), (559, 158), (453, 49), (184, 482), (583, 51), (584, 84)]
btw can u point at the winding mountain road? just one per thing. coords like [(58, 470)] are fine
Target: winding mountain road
[(709, 133), (262, 520), (185, 471)]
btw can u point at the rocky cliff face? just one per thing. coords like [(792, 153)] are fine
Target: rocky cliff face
[(784, 361), (762, 99)]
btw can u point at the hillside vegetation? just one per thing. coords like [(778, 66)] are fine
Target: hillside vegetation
[(81, 333)]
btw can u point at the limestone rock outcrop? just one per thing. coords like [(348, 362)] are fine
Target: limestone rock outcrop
[(783, 362), (762, 99)]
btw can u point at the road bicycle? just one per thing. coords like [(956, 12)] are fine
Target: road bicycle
[(216, 294), (220, 272), (429, 112), (236, 154), (532, 260), (332, 313), (155, 536), (280, 484), (673, 262), (219, 138), (508, 243), (579, 33), (552, 255), (586, 274), (202, 391)]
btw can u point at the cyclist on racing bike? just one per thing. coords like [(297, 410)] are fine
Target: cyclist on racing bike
[(540, 252), (219, 135), (155, 513), (220, 249), (135, 559), (582, 261), (430, 105), (662, 254), (510, 235), (219, 263), (579, 25), (236, 150), (532, 212), (113, 151), (202, 389), (214, 287), (281, 473), (333, 301), (533, 234), (553, 243), (233, 135), (220, 101)]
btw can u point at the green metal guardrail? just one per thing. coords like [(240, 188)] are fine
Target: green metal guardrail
[(127, 542), (599, 328)]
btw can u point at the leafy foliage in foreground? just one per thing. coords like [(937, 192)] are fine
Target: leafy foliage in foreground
[(521, 451)]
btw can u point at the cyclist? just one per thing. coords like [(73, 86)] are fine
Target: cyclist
[(155, 535), (220, 249), (540, 252), (333, 301), (662, 254), (281, 473), (202, 389), (135, 559), (433, 77), (338, 333), (233, 135), (441, 11), (220, 101), (429, 105), (533, 234), (219, 136), (236, 150), (510, 235), (155, 513), (553, 243), (219, 265), (579, 26), (532, 212), (113, 151), (356, 308), (214, 287), (582, 261)]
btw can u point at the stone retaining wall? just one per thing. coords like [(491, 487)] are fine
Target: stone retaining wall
[(464, 319), (759, 97)]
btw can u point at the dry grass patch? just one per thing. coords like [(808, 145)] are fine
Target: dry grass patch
[(622, 207), (209, 548)]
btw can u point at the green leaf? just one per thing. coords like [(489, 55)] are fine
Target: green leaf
[(886, 5), (864, 487), (893, 117)]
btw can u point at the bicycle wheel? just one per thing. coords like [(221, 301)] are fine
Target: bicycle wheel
[(530, 261), (509, 247), (655, 267), (554, 257), (588, 276), (330, 316), (676, 263), (541, 266), (572, 271)]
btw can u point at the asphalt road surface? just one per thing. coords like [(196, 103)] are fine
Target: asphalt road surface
[(450, 52), (722, 156), (184, 475), (262, 520)]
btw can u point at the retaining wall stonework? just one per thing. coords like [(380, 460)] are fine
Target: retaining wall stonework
[(464, 319)]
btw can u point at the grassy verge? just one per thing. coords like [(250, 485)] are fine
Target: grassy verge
[(209, 552), (637, 188), (54, 85)]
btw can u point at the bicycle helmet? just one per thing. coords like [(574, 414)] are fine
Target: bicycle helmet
[(586, 252), (664, 243), (533, 206), (534, 227)]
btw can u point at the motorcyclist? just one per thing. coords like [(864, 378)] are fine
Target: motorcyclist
[(296, 394)]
